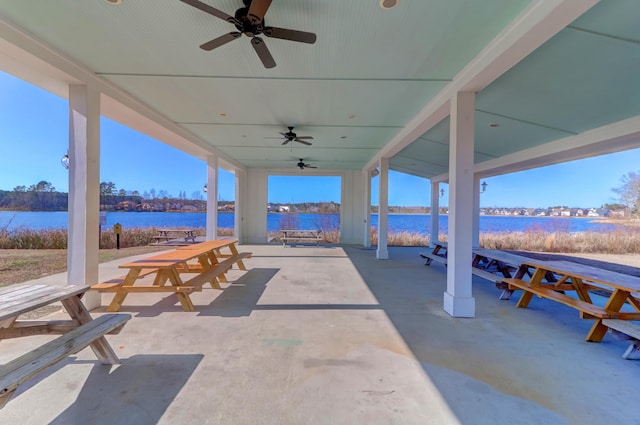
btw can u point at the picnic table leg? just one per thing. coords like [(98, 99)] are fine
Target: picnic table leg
[(183, 297), (206, 264), (161, 278), (122, 293), (234, 251), (522, 270), (582, 292), (615, 303), (526, 297), (213, 261), (100, 346)]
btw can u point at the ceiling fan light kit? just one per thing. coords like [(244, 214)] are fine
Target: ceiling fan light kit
[(249, 20)]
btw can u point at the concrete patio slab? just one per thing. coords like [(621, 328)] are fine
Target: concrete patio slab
[(330, 335)]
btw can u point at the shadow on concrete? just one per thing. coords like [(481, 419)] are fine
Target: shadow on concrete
[(503, 363), (241, 296), (138, 391)]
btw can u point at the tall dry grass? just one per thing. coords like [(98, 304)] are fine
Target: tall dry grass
[(625, 241)]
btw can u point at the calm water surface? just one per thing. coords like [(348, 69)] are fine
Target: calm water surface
[(413, 223)]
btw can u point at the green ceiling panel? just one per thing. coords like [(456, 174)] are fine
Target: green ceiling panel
[(575, 82)]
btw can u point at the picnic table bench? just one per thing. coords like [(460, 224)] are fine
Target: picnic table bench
[(581, 279), (210, 267), (301, 236), (438, 253), (75, 334)]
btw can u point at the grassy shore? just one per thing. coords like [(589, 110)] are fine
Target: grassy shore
[(28, 254)]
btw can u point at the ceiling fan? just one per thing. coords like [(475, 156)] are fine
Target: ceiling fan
[(249, 20), (290, 136), (304, 165)]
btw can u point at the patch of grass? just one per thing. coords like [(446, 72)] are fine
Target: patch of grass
[(21, 265)]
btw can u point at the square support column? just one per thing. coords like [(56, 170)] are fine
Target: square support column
[(84, 189), (212, 197), (238, 218), (435, 213), (366, 241), (383, 209), (458, 301)]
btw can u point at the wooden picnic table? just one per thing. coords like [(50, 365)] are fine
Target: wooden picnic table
[(168, 234), (300, 236), (204, 259), (495, 264), (438, 253), (582, 279), (75, 334)]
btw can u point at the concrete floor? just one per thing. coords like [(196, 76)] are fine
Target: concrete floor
[(330, 335)]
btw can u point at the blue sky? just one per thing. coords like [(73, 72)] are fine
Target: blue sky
[(34, 137)]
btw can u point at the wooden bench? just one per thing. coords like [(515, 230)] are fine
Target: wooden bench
[(429, 257), (492, 277), (630, 331), (587, 310), (30, 364)]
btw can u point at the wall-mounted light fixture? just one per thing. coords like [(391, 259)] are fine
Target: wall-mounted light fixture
[(204, 189), (484, 187), (375, 172), (65, 160), (441, 193)]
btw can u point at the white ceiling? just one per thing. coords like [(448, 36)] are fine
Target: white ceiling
[(362, 90)]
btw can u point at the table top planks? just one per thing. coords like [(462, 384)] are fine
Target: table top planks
[(18, 299), (208, 245), (503, 256), (592, 274)]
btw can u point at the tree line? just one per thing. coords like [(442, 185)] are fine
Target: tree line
[(43, 196)]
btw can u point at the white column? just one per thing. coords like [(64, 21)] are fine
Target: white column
[(84, 189), (254, 189), (383, 209), (212, 197), (237, 217), (476, 212), (458, 301), (366, 241), (435, 210)]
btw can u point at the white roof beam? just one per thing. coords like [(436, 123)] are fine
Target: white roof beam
[(616, 137), (532, 28)]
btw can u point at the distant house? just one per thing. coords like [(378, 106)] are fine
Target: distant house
[(284, 208)]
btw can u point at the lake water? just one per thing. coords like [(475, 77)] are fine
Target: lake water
[(413, 223)]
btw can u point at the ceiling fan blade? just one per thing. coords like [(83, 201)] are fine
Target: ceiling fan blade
[(217, 42), (302, 141), (257, 10), (292, 35), (305, 137), (286, 141), (309, 166), (210, 10), (263, 52), (283, 134)]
